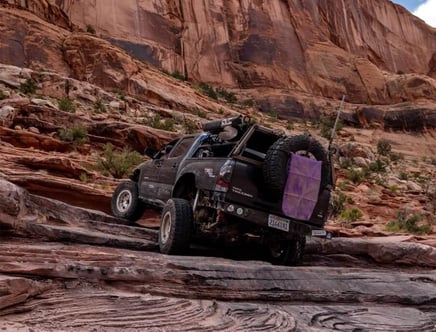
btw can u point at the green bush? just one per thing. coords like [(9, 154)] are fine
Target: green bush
[(351, 215), (77, 135), (178, 75), (67, 105), (90, 29), (207, 90), (189, 126), (155, 121), (227, 95), (403, 176), (2, 95), (99, 107), (377, 166), (327, 123), (118, 164), (83, 177), (273, 115), (408, 223), (200, 113), (396, 156), (28, 87), (384, 147), (339, 201), (357, 175), (248, 102)]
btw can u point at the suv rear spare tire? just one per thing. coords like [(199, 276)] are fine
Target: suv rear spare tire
[(277, 159), (175, 227), (126, 203)]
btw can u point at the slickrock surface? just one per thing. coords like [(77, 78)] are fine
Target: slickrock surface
[(384, 284)]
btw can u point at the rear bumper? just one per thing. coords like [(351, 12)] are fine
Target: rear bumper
[(262, 218)]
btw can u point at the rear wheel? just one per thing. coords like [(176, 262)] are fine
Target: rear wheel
[(126, 203), (175, 227), (286, 252)]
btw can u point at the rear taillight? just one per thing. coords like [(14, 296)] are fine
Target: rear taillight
[(223, 182)]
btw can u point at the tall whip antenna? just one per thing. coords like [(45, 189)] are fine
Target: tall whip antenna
[(336, 121)]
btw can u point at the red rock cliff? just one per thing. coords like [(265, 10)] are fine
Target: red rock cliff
[(325, 47)]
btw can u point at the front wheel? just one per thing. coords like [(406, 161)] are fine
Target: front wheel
[(126, 203), (175, 227)]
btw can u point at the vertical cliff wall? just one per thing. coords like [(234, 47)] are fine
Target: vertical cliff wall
[(248, 43), (326, 48)]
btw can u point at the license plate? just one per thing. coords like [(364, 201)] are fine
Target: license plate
[(278, 223), (319, 232)]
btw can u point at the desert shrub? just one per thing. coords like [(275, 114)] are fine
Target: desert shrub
[(99, 107), (83, 177), (90, 29), (155, 121), (227, 95), (67, 105), (207, 90), (383, 147), (178, 75), (2, 95), (248, 102), (403, 175), (408, 223), (346, 163), (396, 156), (394, 188), (377, 166), (351, 215), (357, 175), (77, 135), (326, 123), (28, 87), (189, 126), (273, 115), (200, 113), (339, 201), (118, 164)]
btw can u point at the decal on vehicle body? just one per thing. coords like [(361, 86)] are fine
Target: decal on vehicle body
[(239, 191), (209, 172)]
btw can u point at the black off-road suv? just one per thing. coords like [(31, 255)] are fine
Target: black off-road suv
[(234, 182)]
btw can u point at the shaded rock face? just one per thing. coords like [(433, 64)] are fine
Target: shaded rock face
[(323, 47)]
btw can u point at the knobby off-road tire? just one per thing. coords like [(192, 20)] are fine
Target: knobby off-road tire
[(126, 203), (175, 227), (287, 252), (277, 161)]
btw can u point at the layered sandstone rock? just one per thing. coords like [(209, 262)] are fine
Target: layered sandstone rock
[(322, 47), (76, 285)]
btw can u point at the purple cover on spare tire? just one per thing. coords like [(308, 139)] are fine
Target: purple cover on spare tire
[(302, 187)]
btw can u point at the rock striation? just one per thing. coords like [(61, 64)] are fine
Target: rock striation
[(80, 284)]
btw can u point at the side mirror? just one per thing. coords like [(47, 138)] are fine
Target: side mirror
[(168, 148), (149, 152)]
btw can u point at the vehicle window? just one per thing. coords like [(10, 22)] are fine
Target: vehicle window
[(181, 148)]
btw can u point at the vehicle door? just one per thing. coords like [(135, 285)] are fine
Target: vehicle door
[(149, 184), (170, 165)]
